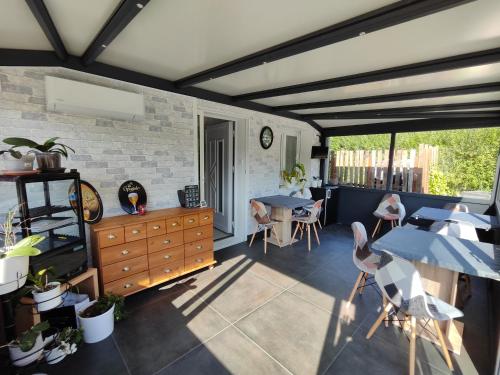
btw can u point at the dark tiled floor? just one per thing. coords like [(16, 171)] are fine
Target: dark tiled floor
[(280, 313)]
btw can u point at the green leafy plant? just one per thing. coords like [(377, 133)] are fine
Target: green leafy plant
[(39, 282), (26, 340), (11, 248), (14, 153), (50, 145), (297, 172), (103, 304), (67, 340)]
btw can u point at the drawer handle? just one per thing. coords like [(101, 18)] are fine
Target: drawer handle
[(166, 242), (199, 233), (206, 218), (156, 227), (174, 224), (136, 231), (166, 256), (167, 270), (191, 221), (111, 236), (199, 247), (125, 252), (126, 269), (199, 260), (128, 285)]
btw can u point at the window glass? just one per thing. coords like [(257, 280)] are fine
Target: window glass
[(290, 152)]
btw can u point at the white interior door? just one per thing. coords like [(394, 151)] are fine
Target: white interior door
[(219, 173)]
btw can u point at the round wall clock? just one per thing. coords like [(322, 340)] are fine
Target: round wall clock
[(132, 195), (266, 137), (91, 202)]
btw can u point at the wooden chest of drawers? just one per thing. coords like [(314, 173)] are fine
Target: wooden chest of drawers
[(133, 253)]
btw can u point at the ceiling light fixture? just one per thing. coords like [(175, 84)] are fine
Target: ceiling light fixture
[(139, 5), (103, 45), (362, 33)]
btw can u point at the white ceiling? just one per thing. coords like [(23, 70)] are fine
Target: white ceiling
[(172, 39)]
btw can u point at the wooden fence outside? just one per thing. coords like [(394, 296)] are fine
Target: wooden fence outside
[(369, 168)]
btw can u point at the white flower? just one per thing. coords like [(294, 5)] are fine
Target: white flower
[(73, 348)]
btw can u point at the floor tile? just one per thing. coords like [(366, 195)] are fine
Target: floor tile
[(155, 334), (302, 337), (230, 352)]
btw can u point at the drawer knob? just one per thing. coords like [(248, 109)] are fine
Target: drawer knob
[(166, 256), (166, 242), (111, 236), (174, 224), (199, 233), (126, 269), (199, 260), (205, 218), (156, 227), (167, 270), (199, 247), (136, 231), (128, 285), (125, 252), (191, 221)]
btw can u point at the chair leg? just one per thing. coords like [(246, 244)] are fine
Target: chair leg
[(444, 348), (316, 233), (351, 297), (392, 224), (413, 337), (320, 226), (301, 226), (363, 283), (308, 237), (273, 229), (294, 233), (376, 228), (381, 317), (384, 304), (253, 236), (265, 240)]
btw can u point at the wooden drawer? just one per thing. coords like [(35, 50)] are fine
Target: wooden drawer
[(156, 228), (174, 224), (158, 258), (206, 218), (135, 232), (166, 272), (199, 233), (166, 241), (194, 248), (190, 221), (111, 237), (124, 268), (197, 261), (128, 285), (125, 251)]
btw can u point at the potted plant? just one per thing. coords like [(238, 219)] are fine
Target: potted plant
[(62, 344), (48, 154), (47, 294), (14, 256), (98, 319), (295, 176), (27, 348), (14, 160)]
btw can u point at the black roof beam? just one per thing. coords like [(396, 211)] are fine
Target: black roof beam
[(42, 15), (413, 126), (374, 113), (387, 16), (423, 94), (121, 17), (409, 115), (432, 66)]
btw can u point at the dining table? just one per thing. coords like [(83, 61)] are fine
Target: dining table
[(439, 260), (282, 207), (479, 221)]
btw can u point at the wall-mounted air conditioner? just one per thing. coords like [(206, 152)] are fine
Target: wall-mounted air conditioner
[(78, 98)]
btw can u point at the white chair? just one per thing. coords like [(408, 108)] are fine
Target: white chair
[(402, 286), (310, 218), (264, 222), (387, 210)]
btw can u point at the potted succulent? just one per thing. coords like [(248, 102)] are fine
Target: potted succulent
[(62, 344), (98, 319), (48, 154), (47, 294), (28, 347), (14, 256), (14, 160)]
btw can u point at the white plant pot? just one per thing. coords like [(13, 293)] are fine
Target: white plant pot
[(97, 328), (53, 356), (20, 358), (50, 299), (13, 273), (314, 183), (23, 164)]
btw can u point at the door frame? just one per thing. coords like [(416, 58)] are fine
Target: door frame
[(240, 187)]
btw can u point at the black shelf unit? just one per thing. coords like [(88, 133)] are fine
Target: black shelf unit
[(66, 252)]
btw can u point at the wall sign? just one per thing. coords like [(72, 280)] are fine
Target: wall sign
[(266, 137), (132, 195), (91, 202)]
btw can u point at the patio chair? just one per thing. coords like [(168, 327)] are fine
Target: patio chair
[(363, 259), (309, 218), (457, 207), (402, 286), (261, 215), (388, 210)]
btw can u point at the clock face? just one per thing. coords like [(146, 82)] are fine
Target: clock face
[(266, 137)]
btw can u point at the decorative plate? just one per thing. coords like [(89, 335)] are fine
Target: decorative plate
[(91, 202), (132, 195)]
